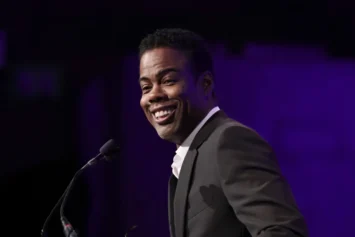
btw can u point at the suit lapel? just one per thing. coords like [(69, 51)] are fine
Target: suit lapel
[(182, 192), (184, 182), (171, 193)]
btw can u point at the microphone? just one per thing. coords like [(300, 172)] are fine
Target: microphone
[(129, 230), (106, 153)]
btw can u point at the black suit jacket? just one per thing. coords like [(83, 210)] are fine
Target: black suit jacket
[(230, 185)]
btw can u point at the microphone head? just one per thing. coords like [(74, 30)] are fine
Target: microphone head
[(109, 149)]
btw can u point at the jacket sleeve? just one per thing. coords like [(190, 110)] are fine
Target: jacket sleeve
[(252, 182)]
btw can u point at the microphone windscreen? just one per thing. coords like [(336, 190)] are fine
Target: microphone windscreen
[(109, 149)]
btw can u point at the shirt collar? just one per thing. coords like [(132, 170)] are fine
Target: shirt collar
[(184, 148)]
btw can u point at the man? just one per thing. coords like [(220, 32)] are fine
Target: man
[(225, 180)]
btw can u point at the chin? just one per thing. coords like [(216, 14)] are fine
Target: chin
[(167, 132)]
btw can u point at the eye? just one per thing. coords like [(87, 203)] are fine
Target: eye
[(169, 82), (145, 89)]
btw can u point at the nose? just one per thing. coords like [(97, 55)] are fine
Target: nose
[(157, 94)]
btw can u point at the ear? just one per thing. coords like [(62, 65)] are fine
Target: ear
[(207, 83)]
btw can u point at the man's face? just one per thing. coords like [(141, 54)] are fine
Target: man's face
[(172, 99)]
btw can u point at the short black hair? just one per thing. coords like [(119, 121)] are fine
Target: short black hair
[(190, 43)]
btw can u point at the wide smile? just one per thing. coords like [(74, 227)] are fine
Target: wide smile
[(164, 116)]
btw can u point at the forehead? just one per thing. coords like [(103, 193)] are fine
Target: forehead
[(156, 59)]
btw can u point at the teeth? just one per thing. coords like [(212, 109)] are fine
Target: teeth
[(162, 113)]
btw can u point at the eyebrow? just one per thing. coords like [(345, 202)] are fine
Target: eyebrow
[(160, 74)]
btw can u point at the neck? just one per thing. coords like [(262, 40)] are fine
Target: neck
[(190, 126), (181, 137)]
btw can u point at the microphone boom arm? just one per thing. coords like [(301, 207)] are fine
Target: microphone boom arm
[(106, 152)]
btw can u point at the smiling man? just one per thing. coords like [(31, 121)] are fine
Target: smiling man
[(225, 180)]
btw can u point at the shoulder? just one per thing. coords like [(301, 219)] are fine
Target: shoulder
[(239, 147), (230, 128), (235, 135)]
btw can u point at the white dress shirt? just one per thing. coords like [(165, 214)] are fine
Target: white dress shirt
[(184, 148)]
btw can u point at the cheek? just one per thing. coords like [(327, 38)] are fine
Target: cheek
[(143, 103), (190, 96), (177, 92)]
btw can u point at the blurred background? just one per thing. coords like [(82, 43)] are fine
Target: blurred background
[(68, 81)]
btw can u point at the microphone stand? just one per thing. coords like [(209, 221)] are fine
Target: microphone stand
[(67, 227), (106, 151)]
